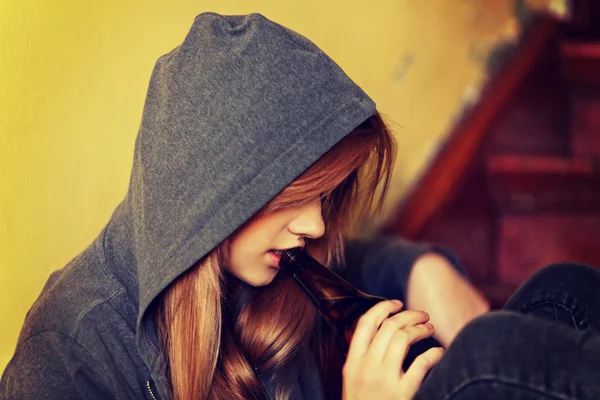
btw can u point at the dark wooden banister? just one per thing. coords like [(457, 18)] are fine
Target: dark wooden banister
[(436, 186)]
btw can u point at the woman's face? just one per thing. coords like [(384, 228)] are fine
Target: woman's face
[(253, 254)]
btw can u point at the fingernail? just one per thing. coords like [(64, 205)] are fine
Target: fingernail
[(397, 302)]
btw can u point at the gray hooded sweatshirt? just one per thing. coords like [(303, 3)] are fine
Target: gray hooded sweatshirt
[(232, 115)]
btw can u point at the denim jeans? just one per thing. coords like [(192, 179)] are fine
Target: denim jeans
[(544, 344)]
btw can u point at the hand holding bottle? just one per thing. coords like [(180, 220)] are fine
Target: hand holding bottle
[(378, 348)]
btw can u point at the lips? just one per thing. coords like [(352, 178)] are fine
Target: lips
[(275, 256)]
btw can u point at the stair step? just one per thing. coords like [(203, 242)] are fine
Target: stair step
[(581, 62), (540, 164), (581, 72), (534, 184), (527, 243), (585, 124)]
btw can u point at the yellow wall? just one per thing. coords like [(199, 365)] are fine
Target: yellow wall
[(73, 76)]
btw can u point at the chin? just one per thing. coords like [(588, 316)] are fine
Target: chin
[(261, 281)]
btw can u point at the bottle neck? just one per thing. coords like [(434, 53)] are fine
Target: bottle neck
[(318, 281)]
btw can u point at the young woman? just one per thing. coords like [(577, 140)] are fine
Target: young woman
[(252, 141)]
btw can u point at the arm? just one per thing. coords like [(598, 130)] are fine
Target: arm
[(424, 277), (451, 301), (49, 365)]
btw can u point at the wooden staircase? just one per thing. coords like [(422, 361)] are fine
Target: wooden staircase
[(517, 186)]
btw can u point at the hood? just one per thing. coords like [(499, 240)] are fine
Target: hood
[(232, 116)]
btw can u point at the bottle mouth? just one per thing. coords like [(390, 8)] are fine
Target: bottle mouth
[(289, 256)]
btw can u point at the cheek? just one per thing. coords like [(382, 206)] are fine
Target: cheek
[(252, 242), (246, 252), (239, 252), (250, 266)]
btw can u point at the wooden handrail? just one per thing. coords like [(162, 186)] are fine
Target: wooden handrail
[(436, 186)]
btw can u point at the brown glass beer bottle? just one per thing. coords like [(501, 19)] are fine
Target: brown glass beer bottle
[(338, 302)]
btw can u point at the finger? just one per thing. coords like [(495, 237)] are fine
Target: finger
[(379, 346), (410, 318), (401, 342), (367, 327), (413, 378)]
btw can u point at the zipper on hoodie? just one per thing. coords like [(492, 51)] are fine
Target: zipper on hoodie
[(262, 388), (150, 391)]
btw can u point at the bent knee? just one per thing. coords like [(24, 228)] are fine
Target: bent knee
[(565, 273), (495, 339)]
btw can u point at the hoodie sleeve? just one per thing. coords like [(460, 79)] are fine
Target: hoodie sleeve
[(49, 365), (382, 266)]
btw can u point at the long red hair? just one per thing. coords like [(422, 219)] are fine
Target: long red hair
[(214, 352)]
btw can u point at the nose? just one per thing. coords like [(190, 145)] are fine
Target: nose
[(309, 221)]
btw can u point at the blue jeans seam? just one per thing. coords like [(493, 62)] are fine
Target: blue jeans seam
[(554, 303), (509, 382)]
